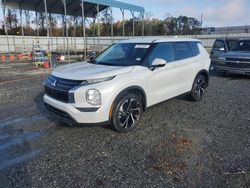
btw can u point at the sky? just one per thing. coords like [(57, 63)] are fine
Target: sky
[(216, 13)]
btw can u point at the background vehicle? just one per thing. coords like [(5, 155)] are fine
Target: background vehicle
[(127, 78), (231, 56)]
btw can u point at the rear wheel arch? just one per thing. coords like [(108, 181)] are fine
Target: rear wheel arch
[(198, 88), (205, 73)]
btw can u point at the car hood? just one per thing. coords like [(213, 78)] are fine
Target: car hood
[(237, 54), (84, 70)]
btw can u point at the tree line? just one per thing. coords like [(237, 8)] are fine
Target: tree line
[(181, 25)]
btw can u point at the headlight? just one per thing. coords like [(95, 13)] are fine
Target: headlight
[(93, 81), (93, 97)]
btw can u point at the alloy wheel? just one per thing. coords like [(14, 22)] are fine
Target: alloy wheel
[(129, 113), (200, 87)]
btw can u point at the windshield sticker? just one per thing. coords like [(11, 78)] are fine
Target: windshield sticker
[(142, 46), (138, 59)]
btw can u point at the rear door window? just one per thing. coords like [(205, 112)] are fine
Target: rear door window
[(182, 50)]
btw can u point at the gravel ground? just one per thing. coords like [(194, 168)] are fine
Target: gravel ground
[(178, 142), (18, 70)]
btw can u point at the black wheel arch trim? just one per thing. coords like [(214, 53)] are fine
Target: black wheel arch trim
[(205, 73), (131, 88)]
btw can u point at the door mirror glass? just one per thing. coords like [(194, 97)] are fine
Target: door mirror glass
[(159, 63)]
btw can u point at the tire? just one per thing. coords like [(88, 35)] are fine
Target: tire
[(127, 112), (198, 88)]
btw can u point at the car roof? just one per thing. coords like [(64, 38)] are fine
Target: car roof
[(158, 40)]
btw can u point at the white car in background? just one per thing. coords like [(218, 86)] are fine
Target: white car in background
[(126, 79)]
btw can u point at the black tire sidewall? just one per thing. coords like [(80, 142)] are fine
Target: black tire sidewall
[(193, 96), (114, 120)]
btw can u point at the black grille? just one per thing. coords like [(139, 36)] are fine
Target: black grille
[(238, 59), (56, 94), (58, 88), (236, 65), (232, 64)]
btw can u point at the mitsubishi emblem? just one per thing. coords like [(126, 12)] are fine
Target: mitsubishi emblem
[(54, 83)]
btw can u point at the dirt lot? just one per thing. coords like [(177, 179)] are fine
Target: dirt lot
[(178, 143)]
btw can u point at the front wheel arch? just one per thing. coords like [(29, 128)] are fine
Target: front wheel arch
[(135, 90), (132, 117), (132, 89)]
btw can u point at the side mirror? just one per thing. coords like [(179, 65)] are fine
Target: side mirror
[(92, 58), (91, 54), (222, 49), (158, 63)]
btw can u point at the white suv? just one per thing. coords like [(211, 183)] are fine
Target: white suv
[(126, 79)]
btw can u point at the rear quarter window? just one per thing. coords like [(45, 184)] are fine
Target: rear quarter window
[(195, 48), (182, 50)]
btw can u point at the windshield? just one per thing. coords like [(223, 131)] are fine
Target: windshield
[(232, 44), (123, 54), (243, 45)]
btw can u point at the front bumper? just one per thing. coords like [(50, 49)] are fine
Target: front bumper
[(232, 67), (245, 71), (71, 115)]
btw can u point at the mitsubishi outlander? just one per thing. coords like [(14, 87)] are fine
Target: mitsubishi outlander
[(117, 86)]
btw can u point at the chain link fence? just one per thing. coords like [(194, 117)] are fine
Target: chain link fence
[(19, 44)]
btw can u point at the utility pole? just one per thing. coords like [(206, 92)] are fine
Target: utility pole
[(201, 20)]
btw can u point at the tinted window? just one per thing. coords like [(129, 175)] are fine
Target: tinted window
[(162, 51), (123, 54), (182, 50), (232, 44), (243, 45), (219, 44), (195, 48)]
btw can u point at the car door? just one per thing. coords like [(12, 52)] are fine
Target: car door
[(162, 82), (218, 49), (188, 65)]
